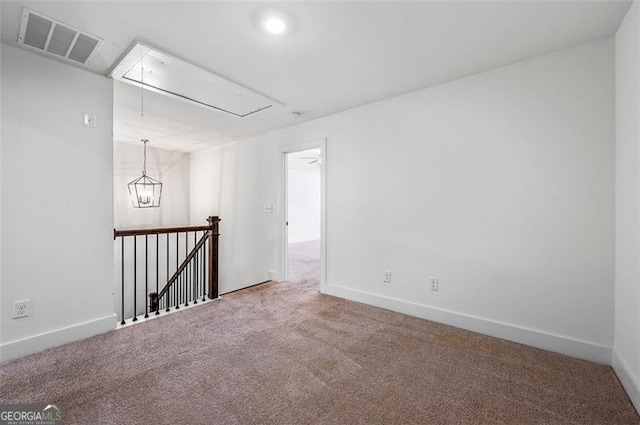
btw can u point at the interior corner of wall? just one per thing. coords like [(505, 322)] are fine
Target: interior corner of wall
[(626, 377)]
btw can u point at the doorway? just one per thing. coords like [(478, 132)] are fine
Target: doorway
[(303, 221)]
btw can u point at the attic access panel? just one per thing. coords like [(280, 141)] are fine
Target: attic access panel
[(171, 76)]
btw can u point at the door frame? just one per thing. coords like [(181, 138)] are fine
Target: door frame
[(297, 147)]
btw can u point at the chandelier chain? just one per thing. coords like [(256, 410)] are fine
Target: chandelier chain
[(144, 163), (144, 141), (142, 84)]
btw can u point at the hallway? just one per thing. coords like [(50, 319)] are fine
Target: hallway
[(304, 262)]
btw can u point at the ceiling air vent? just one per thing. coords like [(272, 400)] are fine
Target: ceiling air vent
[(50, 36)]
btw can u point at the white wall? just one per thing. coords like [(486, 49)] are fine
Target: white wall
[(211, 182), (57, 213), (170, 167), (500, 184), (626, 351), (304, 203), (215, 175)]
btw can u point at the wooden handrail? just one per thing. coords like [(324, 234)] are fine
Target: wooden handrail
[(157, 231), (188, 289)]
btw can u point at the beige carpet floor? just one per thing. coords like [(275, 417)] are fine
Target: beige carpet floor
[(281, 353), (304, 262)]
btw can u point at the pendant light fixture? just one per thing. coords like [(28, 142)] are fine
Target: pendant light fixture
[(145, 191)]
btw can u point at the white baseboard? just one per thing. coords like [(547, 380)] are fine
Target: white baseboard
[(274, 275), (163, 313), (628, 381), (33, 344), (546, 341)]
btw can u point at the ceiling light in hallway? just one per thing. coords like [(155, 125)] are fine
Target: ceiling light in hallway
[(145, 191), (274, 25), (274, 21)]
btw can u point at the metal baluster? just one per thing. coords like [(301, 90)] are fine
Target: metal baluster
[(168, 293), (157, 269), (186, 270), (146, 276), (189, 277), (135, 277), (204, 271), (194, 287), (189, 280), (183, 276), (176, 292), (198, 271), (194, 267), (191, 264), (122, 273)]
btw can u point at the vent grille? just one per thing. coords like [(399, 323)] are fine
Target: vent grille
[(61, 40), (37, 31), (50, 36), (83, 48)]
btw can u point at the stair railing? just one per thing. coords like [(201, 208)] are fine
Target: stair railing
[(186, 266)]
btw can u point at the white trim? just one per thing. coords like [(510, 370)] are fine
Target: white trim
[(297, 147), (33, 344), (546, 341), (305, 146), (323, 215), (164, 313), (284, 264), (628, 381)]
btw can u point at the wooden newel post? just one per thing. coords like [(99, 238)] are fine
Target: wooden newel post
[(213, 256)]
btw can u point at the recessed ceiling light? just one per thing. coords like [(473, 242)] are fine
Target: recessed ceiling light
[(274, 25), (274, 21)]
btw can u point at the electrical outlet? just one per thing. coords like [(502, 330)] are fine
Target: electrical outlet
[(21, 309), (387, 276), (433, 283)]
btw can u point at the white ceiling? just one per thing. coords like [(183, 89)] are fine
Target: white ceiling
[(341, 54)]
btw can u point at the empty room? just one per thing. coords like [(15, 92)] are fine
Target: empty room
[(320, 212)]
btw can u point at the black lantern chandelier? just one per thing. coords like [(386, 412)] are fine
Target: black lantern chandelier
[(145, 191)]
